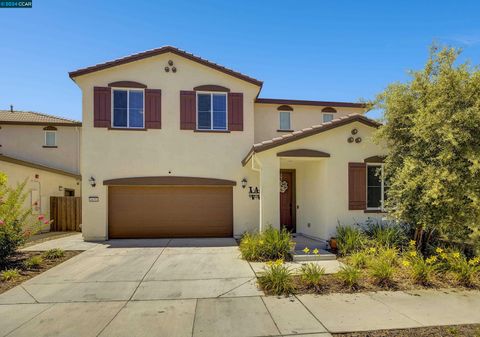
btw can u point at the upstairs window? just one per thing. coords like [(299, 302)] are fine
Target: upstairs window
[(376, 187), (212, 111), (285, 120), (327, 117), (128, 109), (50, 138)]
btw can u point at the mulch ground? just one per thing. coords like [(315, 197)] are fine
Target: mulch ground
[(472, 330), (25, 273)]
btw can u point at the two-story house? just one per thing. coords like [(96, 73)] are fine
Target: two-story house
[(174, 145), (43, 150)]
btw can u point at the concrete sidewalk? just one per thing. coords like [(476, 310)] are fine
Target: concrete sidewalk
[(201, 288)]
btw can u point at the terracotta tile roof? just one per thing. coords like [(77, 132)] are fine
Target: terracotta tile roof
[(163, 50), (313, 130), (34, 118)]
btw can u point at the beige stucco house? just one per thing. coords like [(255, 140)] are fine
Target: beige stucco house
[(177, 146), (42, 150)]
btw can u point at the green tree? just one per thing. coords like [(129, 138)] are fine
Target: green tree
[(432, 130), (16, 222)]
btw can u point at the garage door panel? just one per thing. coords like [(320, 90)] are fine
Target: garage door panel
[(170, 211)]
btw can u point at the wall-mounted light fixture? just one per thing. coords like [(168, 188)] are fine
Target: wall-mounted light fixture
[(92, 181), (244, 182)]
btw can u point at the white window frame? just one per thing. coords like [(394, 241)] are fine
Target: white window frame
[(211, 93), (280, 120), (382, 188), (55, 133), (327, 113), (128, 109)]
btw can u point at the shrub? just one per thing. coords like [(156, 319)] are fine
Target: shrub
[(33, 262), (10, 274), (384, 233), (350, 276), (53, 254), (271, 244), (277, 279), (389, 255), (16, 222), (311, 275), (467, 272), (422, 271), (349, 239), (359, 259), (381, 270)]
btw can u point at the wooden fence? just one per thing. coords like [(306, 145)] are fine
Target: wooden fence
[(65, 213)]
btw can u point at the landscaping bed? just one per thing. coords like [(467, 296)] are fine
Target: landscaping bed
[(18, 262), (468, 330)]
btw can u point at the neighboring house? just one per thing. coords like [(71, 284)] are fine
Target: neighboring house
[(44, 151), (176, 146)]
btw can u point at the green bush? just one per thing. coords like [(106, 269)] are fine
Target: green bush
[(423, 271), (350, 276), (277, 279), (466, 272), (381, 271), (311, 275), (359, 259), (271, 244), (33, 262), (53, 254), (387, 234), (16, 222), (10, 274), (350, 239)]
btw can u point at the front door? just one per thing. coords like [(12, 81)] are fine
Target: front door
[(287, 200)]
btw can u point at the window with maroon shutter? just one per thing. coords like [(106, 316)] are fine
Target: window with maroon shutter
[(357, 187), (153, 108), (102, 103), (188, 110), (235, 111)]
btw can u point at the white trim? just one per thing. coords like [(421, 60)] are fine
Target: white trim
[(55, 138), (128, 108), (211, 93), (280, 120), (382, 188)]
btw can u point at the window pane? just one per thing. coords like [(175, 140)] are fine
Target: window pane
[(284, 120), (327, 118), (50, 138), (135, 102), (219, 112), (120, 108), (374, 187), (204, 111)]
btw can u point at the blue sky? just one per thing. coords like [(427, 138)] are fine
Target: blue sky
[(319, 50)]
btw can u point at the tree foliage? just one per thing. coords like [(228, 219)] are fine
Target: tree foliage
[(432, 130)]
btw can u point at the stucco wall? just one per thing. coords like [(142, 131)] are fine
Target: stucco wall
[(47, 184), (267, 120), (108, 154), (26, 142), (322, 185)]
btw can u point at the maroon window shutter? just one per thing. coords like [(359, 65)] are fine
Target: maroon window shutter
[(102, 107), (153, 108), (357, 186), (235, 111), (188, 110)]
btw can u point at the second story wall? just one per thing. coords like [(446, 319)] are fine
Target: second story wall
[(268, 124), (28, 142)]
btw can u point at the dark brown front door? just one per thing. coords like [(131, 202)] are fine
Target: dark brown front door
[(287, 200)]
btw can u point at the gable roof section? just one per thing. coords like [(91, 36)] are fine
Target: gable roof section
[(39, 166), (311, 103), (159, 51), (34, 118), (307, 132)]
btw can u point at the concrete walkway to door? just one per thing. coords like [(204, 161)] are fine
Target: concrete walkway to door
[(200, 287)]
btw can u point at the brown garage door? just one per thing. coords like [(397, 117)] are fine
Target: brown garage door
[(170, 211)]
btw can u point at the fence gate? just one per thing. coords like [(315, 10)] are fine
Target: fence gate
[(65, 213)]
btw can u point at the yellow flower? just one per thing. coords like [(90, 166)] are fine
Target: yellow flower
[(439, 250), (474, 261), (373, 250), (413, 253), (405, 263), (443, 255), (412, 242), (431, 259), (306, 250), (261, 242), (279, 262), (315, 251), (456, 255)]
